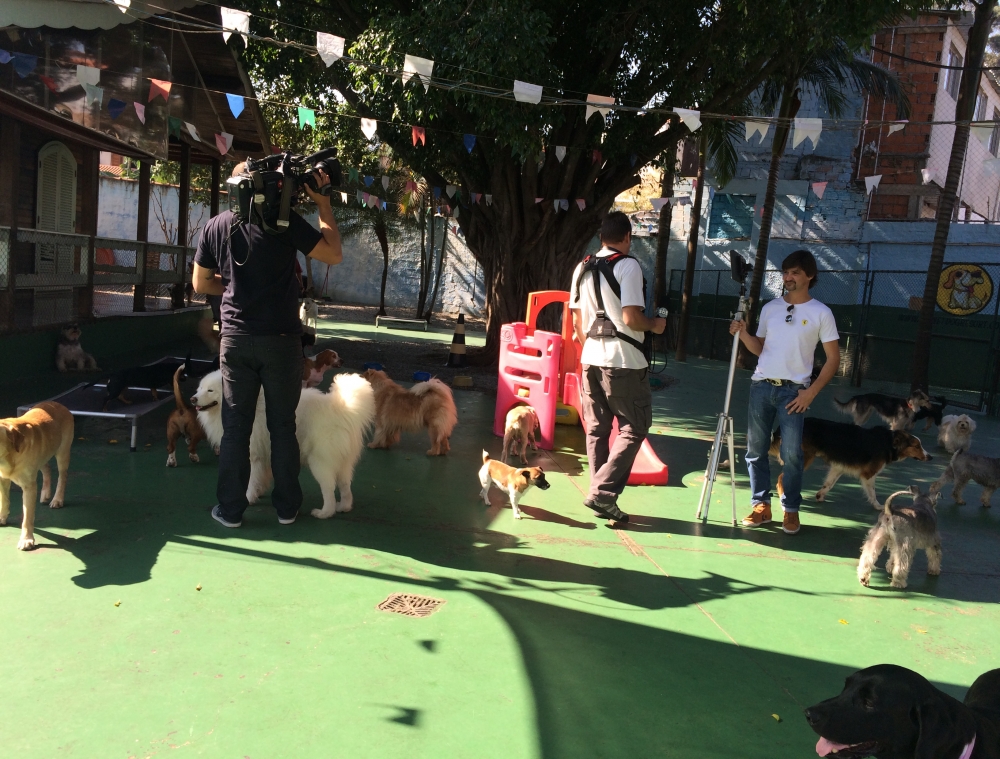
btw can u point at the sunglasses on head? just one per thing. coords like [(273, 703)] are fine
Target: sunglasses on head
[(788, 318)]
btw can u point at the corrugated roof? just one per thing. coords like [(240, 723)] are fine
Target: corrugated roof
[(82, 14)]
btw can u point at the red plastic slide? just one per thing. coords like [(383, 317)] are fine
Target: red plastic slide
[(647, 469)]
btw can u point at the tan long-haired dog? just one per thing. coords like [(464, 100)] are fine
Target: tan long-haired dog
[(27, 443), (519, 430), (427, 404)]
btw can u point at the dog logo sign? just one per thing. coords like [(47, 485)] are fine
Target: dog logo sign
[(964, 289)]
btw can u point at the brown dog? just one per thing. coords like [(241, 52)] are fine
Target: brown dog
[(314, 369), (427, 404), (27, 443), (514, 482), (519, 430), (183, 422)]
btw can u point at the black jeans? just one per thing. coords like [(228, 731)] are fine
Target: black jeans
[(249, 363)]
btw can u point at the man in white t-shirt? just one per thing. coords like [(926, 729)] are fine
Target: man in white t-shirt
[(782, 386), (611, 327)]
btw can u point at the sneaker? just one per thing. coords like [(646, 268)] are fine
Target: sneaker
[(288, 520), (608, 511), (761, 514), (791, 525), (217, 516)]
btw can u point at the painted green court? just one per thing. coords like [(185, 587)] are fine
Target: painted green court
[(558, 636)]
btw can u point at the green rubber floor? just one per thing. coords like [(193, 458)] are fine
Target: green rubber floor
[(558, 636)]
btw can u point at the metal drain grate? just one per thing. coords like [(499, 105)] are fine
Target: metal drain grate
[(410, 605)]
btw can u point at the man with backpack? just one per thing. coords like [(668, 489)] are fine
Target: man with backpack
[(608, 301)]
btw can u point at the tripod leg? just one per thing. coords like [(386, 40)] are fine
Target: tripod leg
[(710, 472), (732, 465)]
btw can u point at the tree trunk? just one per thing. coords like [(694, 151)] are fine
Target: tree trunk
[(383, 241), (692, 250), (440, 268), (660, 282), (422, 294), (964, 111)]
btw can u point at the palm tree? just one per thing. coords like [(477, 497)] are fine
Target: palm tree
[(828, 74)]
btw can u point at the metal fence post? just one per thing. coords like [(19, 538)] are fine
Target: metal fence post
[(139, 298)]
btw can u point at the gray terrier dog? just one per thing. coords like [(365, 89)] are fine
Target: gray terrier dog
[(968, 466), (905, 530)]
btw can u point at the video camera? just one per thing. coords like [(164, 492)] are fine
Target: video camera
[(265, 193), (739, 267)]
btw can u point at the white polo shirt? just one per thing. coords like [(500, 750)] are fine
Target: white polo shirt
[(610, 352), (790, 344)]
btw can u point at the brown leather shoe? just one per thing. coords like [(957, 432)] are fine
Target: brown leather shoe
[(791, 525), (761, 514)]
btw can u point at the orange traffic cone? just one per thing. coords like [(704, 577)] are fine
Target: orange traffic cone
[(456, 356)]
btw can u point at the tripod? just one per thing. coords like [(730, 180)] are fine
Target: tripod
[(724, 429)]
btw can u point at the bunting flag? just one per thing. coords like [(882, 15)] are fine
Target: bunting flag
[(756, 127), (5, 56), (140, 112), (560, 153), (361, 196), (458, 195), (564, 204), (475, 197), (174, 126), (369, 180), (489, 199), (24, 64), (343, 198), (223, 142), (455, 213), (88, 75), (307, 116), (470, 141), (555, 205), (193, 131), (818, 189), (352, 175), (49, 82), (123, 4), (385, 182), (411, 186), (235, 104), (436, 192), (691, 119), (416, 66), (658, 203), (599, 101), (330, 47), (806, 128), (158, 87), (927, 175), (538, 200), (368, 126), (235, 21), (116, 107), (897, 127), (871, 183), (581, 203), (419, 133), (597, 158), (527, 93), (983, 132), (450, 190), (95, 95)]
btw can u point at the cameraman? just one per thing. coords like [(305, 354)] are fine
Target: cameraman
[(615, 381), (254, 272)]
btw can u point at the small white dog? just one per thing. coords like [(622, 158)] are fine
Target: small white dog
[(955, 433), (330, 428)]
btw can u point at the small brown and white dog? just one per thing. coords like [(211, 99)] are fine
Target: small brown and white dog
[(70, 355), (183, 422), (514, 482), (27, 444), (315, 368), (427, 404), (519, 430), (955, 433)]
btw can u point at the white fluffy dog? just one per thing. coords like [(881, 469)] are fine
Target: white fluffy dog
[(955, 433), (330, 427)]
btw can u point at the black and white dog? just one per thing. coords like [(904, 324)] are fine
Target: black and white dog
[(932, 413)]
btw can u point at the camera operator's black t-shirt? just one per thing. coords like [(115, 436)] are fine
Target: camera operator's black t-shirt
[(258, 272)]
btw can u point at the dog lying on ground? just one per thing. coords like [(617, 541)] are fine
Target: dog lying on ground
[(932, 413), (519, 430), (955, 433), (330, 428), (183, 422), (27, 444), (152, 376), (966, 466), (514, 482), (898, 413), (427, 404), (891, 712), (858, 451), (903, 530), (315, 369), (70, 355)]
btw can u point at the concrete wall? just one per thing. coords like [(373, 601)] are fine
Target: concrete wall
[(118, 205)]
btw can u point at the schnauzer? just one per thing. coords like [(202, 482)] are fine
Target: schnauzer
[(904, 530)]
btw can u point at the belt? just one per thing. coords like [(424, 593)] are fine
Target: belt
[(780, 382)]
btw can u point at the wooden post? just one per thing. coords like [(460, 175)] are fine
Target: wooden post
[(142, 235), (90, 187), (183, 201), (10, 162)]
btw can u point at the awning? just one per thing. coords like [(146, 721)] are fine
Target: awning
[(83, 14)]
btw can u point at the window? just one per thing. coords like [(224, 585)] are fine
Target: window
[(55, 207), (731, 217), (980, 114), (995, 136), (954, 74)]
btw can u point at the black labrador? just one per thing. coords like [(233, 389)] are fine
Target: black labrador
[(891, 712)]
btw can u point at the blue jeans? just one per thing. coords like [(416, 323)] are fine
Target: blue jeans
[(768, 401)]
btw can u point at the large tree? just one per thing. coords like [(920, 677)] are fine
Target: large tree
[(705, 55)]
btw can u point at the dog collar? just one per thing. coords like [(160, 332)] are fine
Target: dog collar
[(967, 751)]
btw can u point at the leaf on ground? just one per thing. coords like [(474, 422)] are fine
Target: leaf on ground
[(843, 621)]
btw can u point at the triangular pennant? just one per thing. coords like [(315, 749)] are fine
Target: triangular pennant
[(927, 175), (597, 158), (368, 127), (361, 196), (385, 182), (369, 180), (174, 127), (158, 87), (234, 20), (475, 197), (806, 128), (116, 107), (343, 198), (560, 153), (330, 47), (235, 104), (436, 191), (24, 64), (898, 126), (658, 203), (539, 200), (983, 132), (564, 204), (411, 186), (691, 119), (458, 195), (450, 190), (555, 205), (383, 205), (95, 95), (5, 56), (88, 75), (871, 183), (581, 203), (193, 131), (419, 133), (598, 101), (49, 82), (414, 65), (140, 112), (223, 142), (470, 141), (123, 4), (756, 127), (365, 196), (352, 175), (818, 189), (489, 199), (307, 116), (454, 213), (527, 93)]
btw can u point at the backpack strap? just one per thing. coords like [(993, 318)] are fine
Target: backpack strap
[(605, 266)]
